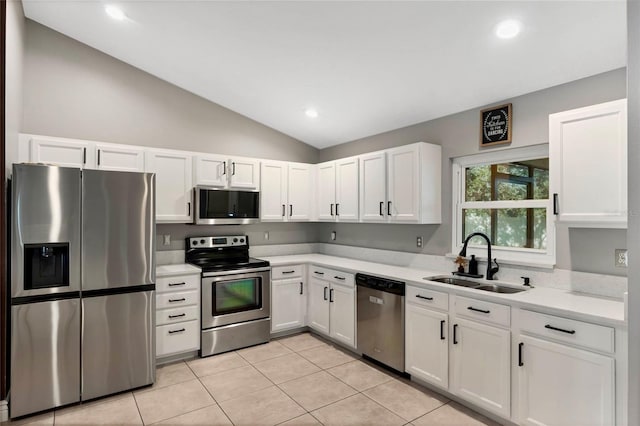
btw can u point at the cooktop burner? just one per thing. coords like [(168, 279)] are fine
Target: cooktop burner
[(214, 254)]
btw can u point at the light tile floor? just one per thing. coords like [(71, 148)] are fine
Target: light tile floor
[(298, 380)]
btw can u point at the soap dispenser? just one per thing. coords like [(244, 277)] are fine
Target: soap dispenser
[(473, 265)]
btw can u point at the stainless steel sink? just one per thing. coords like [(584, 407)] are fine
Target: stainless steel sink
[(494, 288), (454, 281), (497, 288)]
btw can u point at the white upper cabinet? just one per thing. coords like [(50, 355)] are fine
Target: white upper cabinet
[(286, 192), (273, 194), (337, 190), (588, 165), (119, 158), (60, 151), (174, 185), (326, 195), (347, 179), (300, 193), (224, 172), (373, 190), (401, 184)]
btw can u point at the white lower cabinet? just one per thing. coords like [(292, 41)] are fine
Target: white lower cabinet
[(559, 377), (480, 365), (288, 298), (177, 314), (427, 350), (331, 305)]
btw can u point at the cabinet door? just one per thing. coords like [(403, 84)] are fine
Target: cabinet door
[(244, 173), (211, 170), (300, 192), (587, 156), (559, 385), (326, 195), (427, 350), (404, 183), (480, 365), (287, 304), (318, 305), (347, 190), (65, 153), (119, 158), (342, 314), (173, 185), (373, 187), (273, 194)]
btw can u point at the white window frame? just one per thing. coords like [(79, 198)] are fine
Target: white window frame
[(509, 255)]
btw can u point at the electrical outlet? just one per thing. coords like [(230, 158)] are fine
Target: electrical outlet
[(621, 258), (419, 241), (266, 235), (333, 235), (166, 240)]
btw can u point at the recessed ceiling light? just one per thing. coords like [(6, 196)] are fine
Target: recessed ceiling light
[(311, 113), (115, 12), (508, 28)]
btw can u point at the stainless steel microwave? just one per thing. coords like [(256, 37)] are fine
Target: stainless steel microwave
[(225, 207)]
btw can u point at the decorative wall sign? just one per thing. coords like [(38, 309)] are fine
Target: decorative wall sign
[(495, 125)]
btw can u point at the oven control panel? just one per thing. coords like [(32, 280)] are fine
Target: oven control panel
[(213, 242)]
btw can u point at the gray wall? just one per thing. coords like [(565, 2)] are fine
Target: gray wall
[(633, 82), (577, 249), (73, 90), (15, 46)]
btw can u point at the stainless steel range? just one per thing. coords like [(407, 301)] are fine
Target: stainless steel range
[(236, 293)]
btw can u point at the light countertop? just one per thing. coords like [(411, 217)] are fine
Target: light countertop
[(542, 299), (173, 270)]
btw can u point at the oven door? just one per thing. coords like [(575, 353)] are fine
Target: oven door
[(230, 298)]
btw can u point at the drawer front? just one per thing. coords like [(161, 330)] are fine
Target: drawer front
[(179, 298), (283, 272), (319, 272), (342, 278), (481, 310), (176, 338), (428, 298), (579, 333), (177, 283), (174, 315)]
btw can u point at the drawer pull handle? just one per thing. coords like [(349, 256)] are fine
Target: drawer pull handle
[(424, 297), (177, 316), (471, 308), (339, 278), (442, 329), (318, 272), (182, 299), (177, 331), (455, 334), (550, 327), (176, 284), (520, 362), (288, 272)]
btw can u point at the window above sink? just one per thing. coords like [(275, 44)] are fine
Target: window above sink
[(505, 194)]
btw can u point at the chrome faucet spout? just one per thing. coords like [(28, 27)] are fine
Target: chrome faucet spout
[(491, 271)]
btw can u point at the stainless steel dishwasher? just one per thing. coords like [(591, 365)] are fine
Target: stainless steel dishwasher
[(380, 319)]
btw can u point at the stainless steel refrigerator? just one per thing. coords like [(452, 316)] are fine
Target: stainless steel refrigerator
[(82, 285)]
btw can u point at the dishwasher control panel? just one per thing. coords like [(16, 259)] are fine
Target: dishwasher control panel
[(382, 284)]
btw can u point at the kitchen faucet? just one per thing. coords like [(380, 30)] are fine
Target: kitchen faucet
[(490, 271)]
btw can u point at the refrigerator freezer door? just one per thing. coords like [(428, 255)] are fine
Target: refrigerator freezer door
[(45, 355), (45, 212), (118, 343), (118, 229)]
